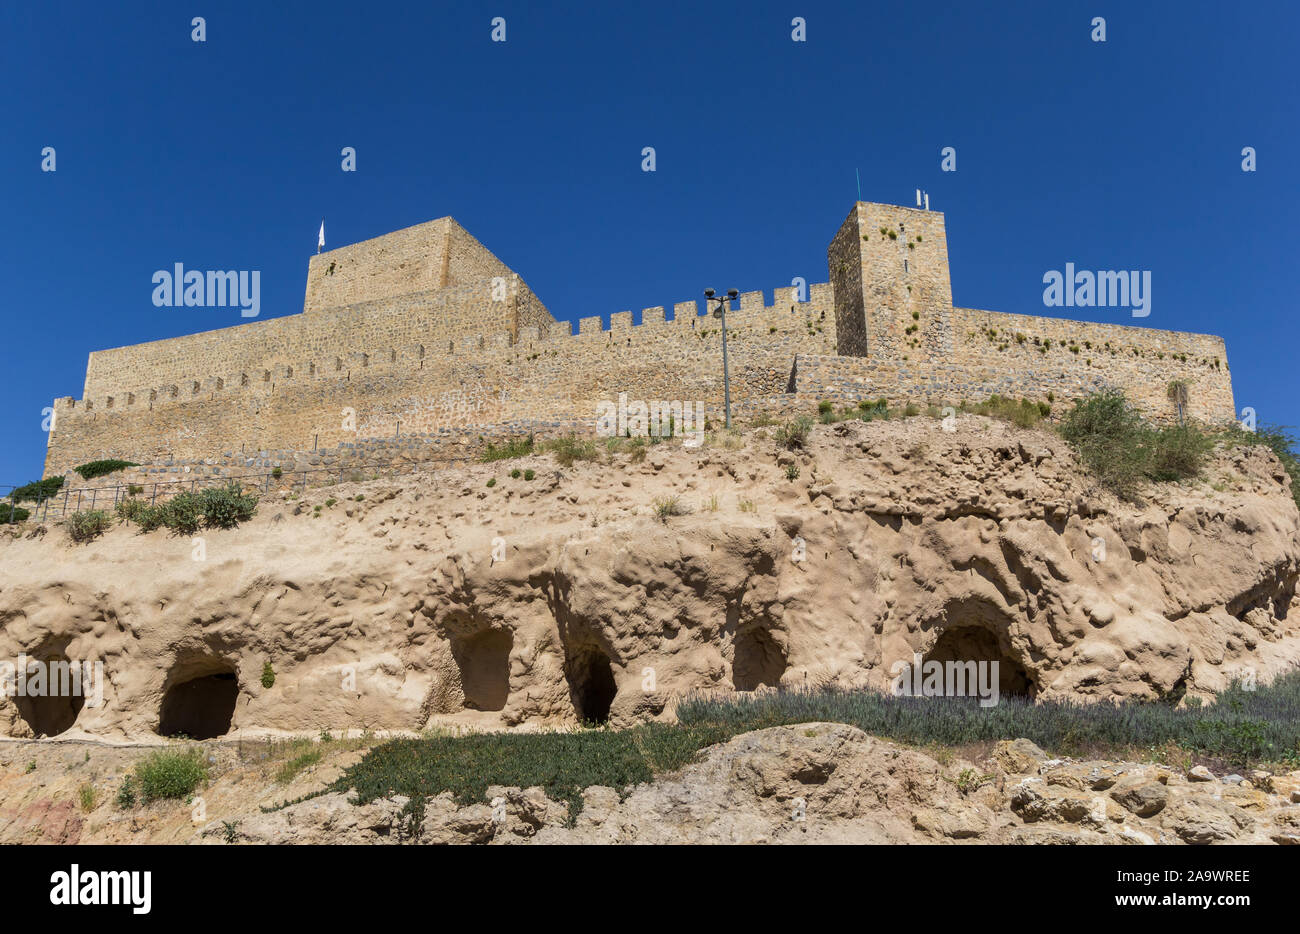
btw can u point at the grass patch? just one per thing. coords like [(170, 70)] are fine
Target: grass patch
[(295, 766), (571, 449), (561, 763), (1022, 413), (670, 506), (514, 447), (169, 773)]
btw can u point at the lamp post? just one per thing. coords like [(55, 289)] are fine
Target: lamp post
[(721, 312)]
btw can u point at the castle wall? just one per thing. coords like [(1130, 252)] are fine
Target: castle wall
[(1042, 359), (409, 348), (418, 323), (551, 381)]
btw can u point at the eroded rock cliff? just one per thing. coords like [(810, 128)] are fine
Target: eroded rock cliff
[(590, 592)]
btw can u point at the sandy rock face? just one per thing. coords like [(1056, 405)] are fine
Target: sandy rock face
[(437, 599)]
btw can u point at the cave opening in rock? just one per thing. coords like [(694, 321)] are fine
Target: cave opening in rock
[(591, 684), (756, 660), (201, 707), (965, 644), (52, 695), (484, 663)]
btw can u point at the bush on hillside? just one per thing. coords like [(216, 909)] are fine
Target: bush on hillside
[(227, 506), (1111, 439), (37, 490), (183, 513), (87, 526), (171, 774), (1178, 453), (794, 434)]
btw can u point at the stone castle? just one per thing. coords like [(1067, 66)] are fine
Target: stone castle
[(421, 345)]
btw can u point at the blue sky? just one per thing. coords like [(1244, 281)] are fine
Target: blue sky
[(225, 155)]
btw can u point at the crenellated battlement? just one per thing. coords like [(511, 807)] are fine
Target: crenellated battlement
[(341, 364), (425, 331)]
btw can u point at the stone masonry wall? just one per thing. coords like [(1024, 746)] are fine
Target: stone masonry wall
[(889, 266), (332, 341), (428, 256), (549, 380)]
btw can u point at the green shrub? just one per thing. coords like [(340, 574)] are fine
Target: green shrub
[(268, 676), (126, 794), (37, 490), (1178, 453), (170, 773), (183, 513), (794, 434), (516, 474), (792, 471), (563, 764), (491, 483), (227, 506), (1111, 440), (132, 510), (277, 473), (529, 474), (87, 526), (571, 449), (99, 468), (150, 517), (134, 489), (11, 512), (515, 447), (824, 407)]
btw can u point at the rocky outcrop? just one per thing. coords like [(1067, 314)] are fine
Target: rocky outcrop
[(827, 783), (603, 591)]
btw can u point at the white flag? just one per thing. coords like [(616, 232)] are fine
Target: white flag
[(320, 241)]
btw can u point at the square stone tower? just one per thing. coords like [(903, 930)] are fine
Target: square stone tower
[(435, 255), (893, 297)]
